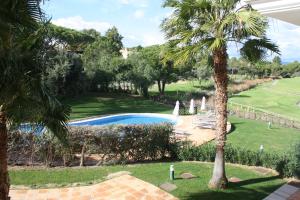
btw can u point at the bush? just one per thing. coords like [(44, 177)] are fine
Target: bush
[(111, 143), (286, 165)]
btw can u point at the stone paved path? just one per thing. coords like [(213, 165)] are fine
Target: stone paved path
[(285, 192), (125, 187)]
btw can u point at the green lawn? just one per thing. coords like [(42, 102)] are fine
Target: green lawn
[(253, 185), (279, 96), (180, 88), (247, 133), (104, 104), (251, 134)]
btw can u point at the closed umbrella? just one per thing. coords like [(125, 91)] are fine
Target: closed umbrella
[(192, 107), (203, 106), (176, 109)]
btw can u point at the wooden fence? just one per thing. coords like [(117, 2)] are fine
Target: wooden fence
[(250, 112)]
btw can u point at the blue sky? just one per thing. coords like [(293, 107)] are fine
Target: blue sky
[(138, 21)]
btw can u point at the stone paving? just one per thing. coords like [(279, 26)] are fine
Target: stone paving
[(125, 187), (285, 192), (194, 134)]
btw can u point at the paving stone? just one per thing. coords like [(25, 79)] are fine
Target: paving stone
[(117, 174), (234, 180), (295, 196), (274, 197), (282, 193), (169, 187), (187, 176), (113, 189), (288, 189)]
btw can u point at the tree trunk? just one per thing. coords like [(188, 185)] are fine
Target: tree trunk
[(159, 86), (219, 180), (4, 179), (163, 88), (82, 156)]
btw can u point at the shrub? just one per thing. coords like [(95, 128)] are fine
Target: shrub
[(286, 165), (111, 143)]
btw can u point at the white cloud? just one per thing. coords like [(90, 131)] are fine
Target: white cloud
[(78, 23), (153, 38), (139, 14), (287, 38), (136, 3)]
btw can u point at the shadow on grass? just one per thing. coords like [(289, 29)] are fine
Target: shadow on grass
[(253, 181), (240, 96), (238, 191)]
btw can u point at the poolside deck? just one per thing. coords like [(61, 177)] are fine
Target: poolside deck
[(194, 134)]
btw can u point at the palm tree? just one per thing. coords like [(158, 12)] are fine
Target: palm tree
[(23, 60), (209, 27)]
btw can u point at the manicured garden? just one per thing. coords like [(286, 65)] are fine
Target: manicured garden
[(253, 185), (249, 134), (279, 96)]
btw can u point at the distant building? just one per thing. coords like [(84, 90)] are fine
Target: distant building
[(125, 53)]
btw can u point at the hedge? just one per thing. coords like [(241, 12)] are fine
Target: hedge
[(111, 143), (287, 165)]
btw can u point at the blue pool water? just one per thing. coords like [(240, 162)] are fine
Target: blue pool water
[(124, 120), (27, 128)]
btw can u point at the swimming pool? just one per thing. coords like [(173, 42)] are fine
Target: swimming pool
[(127, 119)]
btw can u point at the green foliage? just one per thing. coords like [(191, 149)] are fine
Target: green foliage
[(24, 58), (68, 38), (115, 40), (112, 143), (149, 67), (66, 77), (204, 27), (285, 165), (102, 62)]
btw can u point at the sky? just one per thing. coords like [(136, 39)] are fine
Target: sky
[(138, 21)]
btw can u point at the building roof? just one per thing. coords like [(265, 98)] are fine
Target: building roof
[(285, 10)]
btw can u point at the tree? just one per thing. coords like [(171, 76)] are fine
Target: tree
[(69, 39), (115, 39), (142, 74), (277, 60), (99, 59), (66, 77), (206, 27), (23, 60)]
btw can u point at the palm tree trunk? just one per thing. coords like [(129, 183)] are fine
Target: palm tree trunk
[(219, 180), (4, 180)]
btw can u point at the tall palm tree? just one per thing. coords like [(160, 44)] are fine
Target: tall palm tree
[(23, 60), (209, 27)]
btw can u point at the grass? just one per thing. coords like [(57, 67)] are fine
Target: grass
[(182, 87), (253, 185), (250, 134), (279, 96), (247, 133), (104, 104)]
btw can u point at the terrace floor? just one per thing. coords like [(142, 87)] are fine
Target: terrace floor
[(124, 187), (187, 131)]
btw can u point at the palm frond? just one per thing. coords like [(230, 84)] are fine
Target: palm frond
[(257, 49)]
